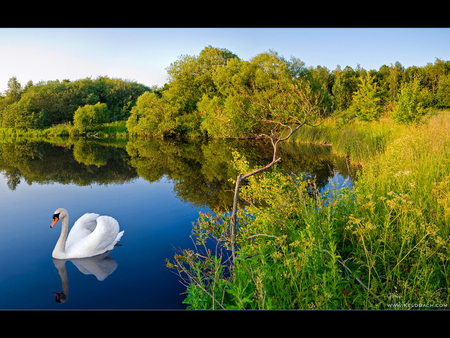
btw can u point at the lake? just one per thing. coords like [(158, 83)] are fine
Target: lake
[(154, 188)]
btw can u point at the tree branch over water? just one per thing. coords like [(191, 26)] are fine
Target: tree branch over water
[(296, 106)]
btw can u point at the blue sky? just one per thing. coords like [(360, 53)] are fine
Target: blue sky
[(143, 54)]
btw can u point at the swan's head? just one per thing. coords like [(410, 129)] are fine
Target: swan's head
[(60, 297), (57, 215)]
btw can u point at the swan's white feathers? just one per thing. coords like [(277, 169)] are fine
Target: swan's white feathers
[(82, 228), (92, 235)]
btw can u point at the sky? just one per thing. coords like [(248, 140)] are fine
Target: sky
[(143, 54)]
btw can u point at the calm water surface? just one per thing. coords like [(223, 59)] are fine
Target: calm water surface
[(154, 188)]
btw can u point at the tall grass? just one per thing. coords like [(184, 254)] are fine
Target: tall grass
[(398, 236), (13, 132), (358, 140), (105, 130), (383, 245)]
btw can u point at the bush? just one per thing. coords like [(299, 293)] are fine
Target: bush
[(382, 244), (90, 115), (366, 101), (443, 92), (155, 116), (412, 104)]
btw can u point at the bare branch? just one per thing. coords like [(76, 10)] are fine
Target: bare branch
[(261, 235), (295, 97)]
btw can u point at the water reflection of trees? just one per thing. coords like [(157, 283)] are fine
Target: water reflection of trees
[(199, 169), (68, 161)]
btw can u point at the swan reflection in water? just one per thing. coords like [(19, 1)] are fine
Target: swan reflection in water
[(101, 266)]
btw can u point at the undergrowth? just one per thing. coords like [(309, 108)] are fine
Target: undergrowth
[(382, 245), (112, 129)]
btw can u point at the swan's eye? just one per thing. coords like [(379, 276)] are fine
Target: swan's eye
[(56, 215)]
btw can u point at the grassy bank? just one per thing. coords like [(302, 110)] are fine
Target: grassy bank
[(105, 130), (358, 140), (383, 245)]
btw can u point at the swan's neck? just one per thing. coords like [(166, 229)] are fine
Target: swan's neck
[(61, 266), (60, 248)]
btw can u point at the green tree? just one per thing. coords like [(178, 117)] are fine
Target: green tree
[(14, 90), (366, 101), (191, 77), (90, 116), (394, 80), (55, 102), (223, 115), (345, 84), (281, 107), (120, 96), (443, 92), (412, 103), (432, 74), (153, 116), (19, 115)]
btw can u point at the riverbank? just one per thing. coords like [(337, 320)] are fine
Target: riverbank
[(106, 130), (383, 244), (357, 140)]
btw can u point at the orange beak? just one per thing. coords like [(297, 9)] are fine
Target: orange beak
[(54, 222)]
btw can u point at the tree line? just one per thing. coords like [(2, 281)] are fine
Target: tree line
[(209, 94), (50, 103)]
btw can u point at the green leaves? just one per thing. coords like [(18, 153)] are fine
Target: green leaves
[(413, 103), (55, 102), (287, 251), (89, 116), (366, 102)]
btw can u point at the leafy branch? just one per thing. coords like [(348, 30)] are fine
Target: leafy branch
[(289, 106)]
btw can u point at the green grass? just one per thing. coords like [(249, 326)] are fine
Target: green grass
[(358, 140), (105, 130), (385, 244), (112, 129), (398, 236), (13, 132)]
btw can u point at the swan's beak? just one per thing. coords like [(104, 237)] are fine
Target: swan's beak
[(55, 219)]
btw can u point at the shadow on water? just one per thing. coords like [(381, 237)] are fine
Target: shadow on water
[(199, 169)]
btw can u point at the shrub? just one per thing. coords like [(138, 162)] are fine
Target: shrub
[(155, 116), (383, 244), (412, 103), (90, 115), (366, 101)]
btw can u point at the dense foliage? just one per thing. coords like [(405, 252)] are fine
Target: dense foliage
[(54, 102), (384, 244), (207, 94), (90, 115)]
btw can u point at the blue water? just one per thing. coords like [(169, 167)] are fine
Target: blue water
[(156, 212), (153, 220)]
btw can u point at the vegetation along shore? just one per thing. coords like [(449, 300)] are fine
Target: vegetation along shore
[(382, 244)]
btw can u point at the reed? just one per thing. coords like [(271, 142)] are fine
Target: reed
[(358, 140)]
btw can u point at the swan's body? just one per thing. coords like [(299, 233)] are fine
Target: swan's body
[(91, 235)]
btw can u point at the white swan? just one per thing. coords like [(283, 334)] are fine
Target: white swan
[(91, 235)]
